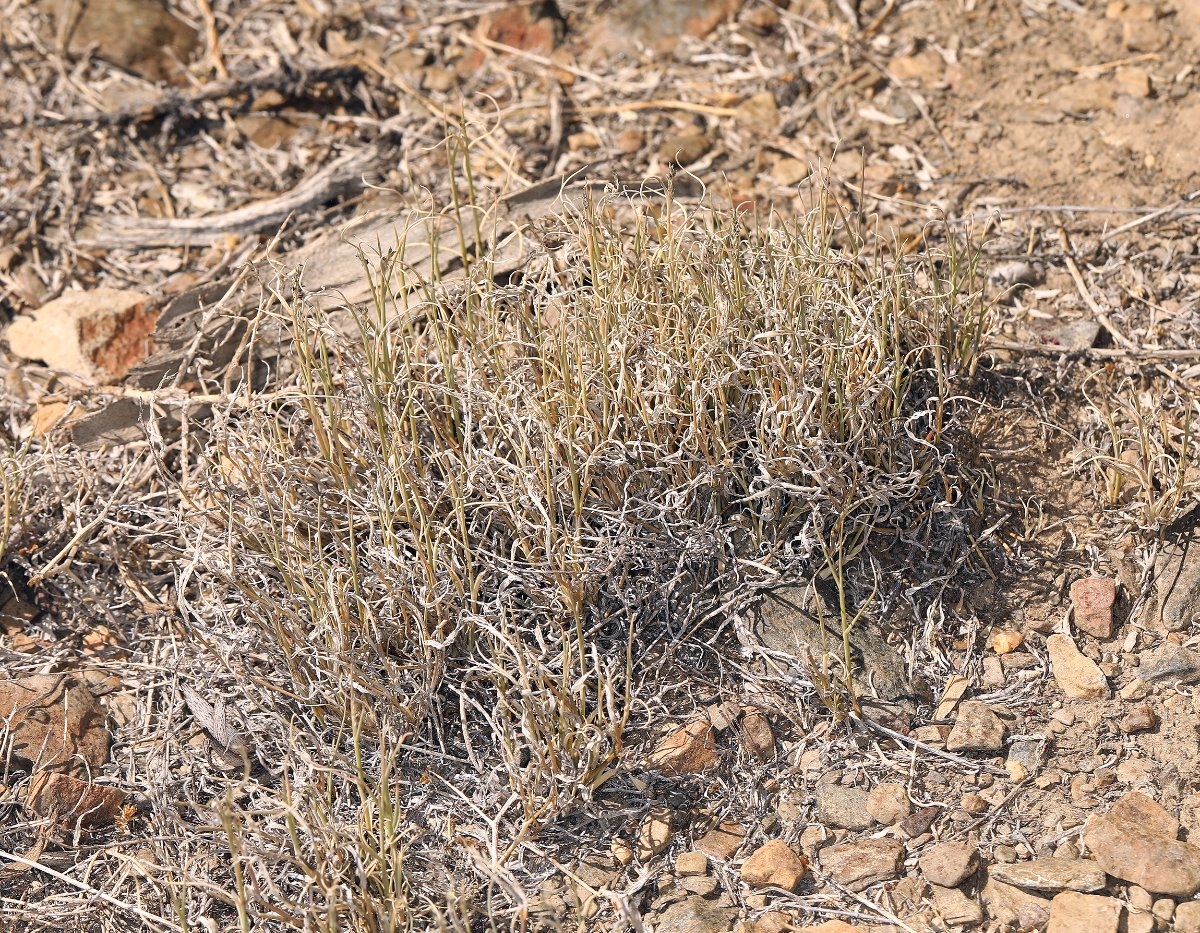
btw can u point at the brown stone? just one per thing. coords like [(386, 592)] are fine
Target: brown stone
[(695, 915), (955, 908), (1071, 912), (689, 750), (722, 841), (976, 729), (888, 803), (774, 865), (657, 25), (1136, 841), (950, 864), (1140, 718), (72, 802), (654, 833), (140, 36), (1092, 599), (684, 148), (919, 822), (1010, 905), (53, 721), (531, 27), (842, 806), (1076, 674), (98, 334), (1053, 874), (758, 113), (863, 862), (756, 735)]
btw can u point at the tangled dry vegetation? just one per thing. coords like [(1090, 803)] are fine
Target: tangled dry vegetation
[(460, 562)]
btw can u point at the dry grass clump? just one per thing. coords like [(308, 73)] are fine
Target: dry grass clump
[(457, 558), (1140, 445)]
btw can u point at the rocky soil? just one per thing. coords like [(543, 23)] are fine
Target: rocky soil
[(1045, 773)]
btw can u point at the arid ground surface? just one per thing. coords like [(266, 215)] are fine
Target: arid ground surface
[(170, 763)]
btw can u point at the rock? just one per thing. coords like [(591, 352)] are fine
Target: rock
[(98, 335), (919, 822), (1071, 912), (691, 863), (977, 729), (955, 908), (55, 722), (531, 27), (1076, 674), (950, 864), (1136, 689), (684, 148), (631, 140), (1132, 81), (70, 802), (973, 803), (844, 807), (140, 36), (1082, 95), (861, 863), (695, 915), (1140, 718), (1025, 752), (1053, 874), (1169, 663), (689, 750), (1136, 841), (622, 851), (888, 803), (1174, 602), (698, 884), (654, 833), (926, 68), (758, 113), (657, 25), (774, 865), (723, 715), (722, 841), (833, 926), (1005, 642), (1092, 599), (1010, 905), (1187, 917), (789, 172), (773, 921), (756, 735)]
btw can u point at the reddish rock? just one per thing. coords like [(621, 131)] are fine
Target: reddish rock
[(1092, 599), (1071, 912), (657, 25), (531, 27), (950, 864), (861, 863), (689, 750), (1012, 906), (1140, 718), (756, 735), (1136, 841), (53, 721), (138, 35), (72, 802), (99, 334), (722, 841), (774, 865)]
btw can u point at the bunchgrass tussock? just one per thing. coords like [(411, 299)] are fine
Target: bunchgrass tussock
[(466, 543)]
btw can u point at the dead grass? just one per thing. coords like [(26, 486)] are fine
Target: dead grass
[(451, 562)]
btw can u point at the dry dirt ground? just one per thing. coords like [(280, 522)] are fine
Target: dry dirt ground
[(161, 150)]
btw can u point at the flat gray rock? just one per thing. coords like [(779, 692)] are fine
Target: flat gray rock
[(799, 621)]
